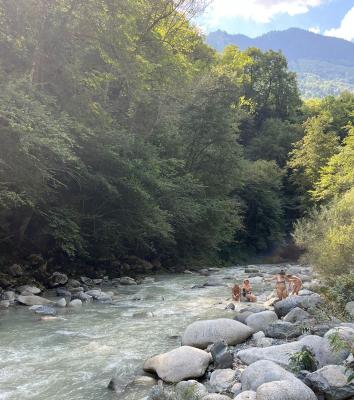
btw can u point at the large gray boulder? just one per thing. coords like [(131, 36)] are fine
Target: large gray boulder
[(297, 314), (179, 364), (216, 396), (58, 278), (283, 330), (261, 372), (33, 300), (285, 390), (190, 390), (26, 290), (283, 307), (247, 395), (331, 382), (221, 380), (280, 354), (259, 321), (242, 316), (202, 333)]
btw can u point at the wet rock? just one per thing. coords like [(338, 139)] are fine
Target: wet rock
[(283, 330), (221, 380), (331, 382), (247, 395), (179, 364), (75, 290), (283, 307), (280, 353), (204, 272), (27, 290), (62, 292), (127, 281), (4, 303), (260, 321), (75, 303), (9, 295), (190, 390), (222, 356), (86, 281), (84, 297), (61, 303), (261, 372), (97, 281), (44, 310), (95, 293), (58, 278), (202, 333), (214, 281), (297, 314), (285, 390), (74, 283), (33, 300)]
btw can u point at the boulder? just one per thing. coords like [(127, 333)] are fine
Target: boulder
[(4, 303), (27, 290), (261, 372), (61, 302), (349, 308), (58, 278), (214, 281), (247, 395), (179, 364), (258, 322), (215, 396), (297, 314), (9, 295), (241, 317), (84, 297), (33, 300), (283, 307), (190, 390), (127, 281), (280, 353), (236, 389), (285, 390), (331, 382), (202, 333), (261, 341), (74, 283), (221, 380), (95, 293), (62, 292), (75, 303), (86, 281), (283, 330), (222, 357), (44, 310)]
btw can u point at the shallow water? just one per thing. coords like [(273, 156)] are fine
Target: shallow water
[(75, 358)]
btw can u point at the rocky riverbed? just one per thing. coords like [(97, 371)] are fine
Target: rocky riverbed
[(107, 339)]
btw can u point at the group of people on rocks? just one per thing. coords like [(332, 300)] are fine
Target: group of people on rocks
[(244, 292)]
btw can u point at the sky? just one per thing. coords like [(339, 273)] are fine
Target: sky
[(255, 17)]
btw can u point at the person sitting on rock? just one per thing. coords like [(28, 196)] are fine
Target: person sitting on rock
[(295, 283), (246, 289), (280, 286), (236, 293)]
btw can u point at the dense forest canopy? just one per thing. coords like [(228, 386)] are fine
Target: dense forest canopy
[(123, 134)]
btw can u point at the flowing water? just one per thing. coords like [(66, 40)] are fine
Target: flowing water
[(75, 358)]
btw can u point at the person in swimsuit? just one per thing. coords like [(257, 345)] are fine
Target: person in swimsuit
[(280, 286), (295, 282), (236, 293), (246, 289)]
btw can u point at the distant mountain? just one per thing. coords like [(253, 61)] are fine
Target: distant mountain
[(325, 65)]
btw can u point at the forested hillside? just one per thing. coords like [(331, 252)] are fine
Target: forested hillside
[(324, 65), (124, 136)]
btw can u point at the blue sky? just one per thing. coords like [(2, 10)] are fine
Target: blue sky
[(255, 17)]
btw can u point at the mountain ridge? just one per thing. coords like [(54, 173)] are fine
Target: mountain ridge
[(324, 64)]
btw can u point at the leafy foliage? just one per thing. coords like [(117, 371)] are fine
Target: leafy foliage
[(303, 360)]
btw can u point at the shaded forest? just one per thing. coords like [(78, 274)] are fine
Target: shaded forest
[(123, 136)]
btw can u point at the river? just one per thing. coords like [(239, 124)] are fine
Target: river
[(76, 357)]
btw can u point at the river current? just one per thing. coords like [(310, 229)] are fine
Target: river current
[(74, 358)]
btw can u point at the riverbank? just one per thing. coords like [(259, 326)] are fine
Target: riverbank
[(76, 354)]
